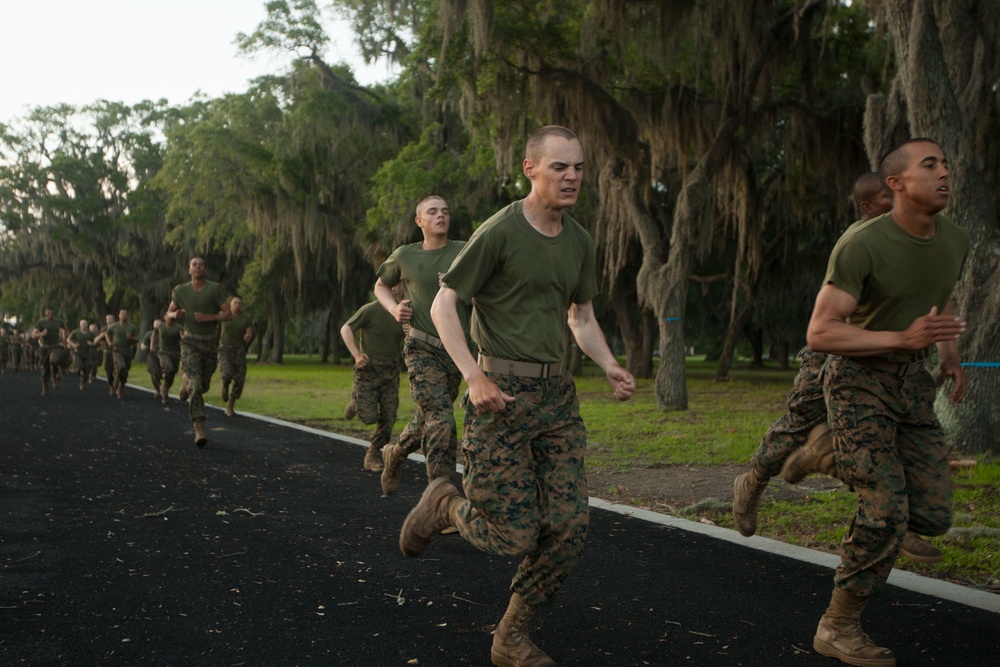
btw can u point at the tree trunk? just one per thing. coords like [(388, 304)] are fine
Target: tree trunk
[(934, 110), (665, 286), (324, 354), (633, 326), (278, 338)]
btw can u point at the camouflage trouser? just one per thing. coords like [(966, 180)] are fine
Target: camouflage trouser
[(50, 358), (198, 362), (233, 368), (806, 409), (109, 365), (376, 398), (123, 362), (526, 483), (434, 385), (154, 370), (890, 447), (411, 439), (169, 362), (82, 362)]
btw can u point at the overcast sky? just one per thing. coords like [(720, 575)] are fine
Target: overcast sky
[(79, 51)]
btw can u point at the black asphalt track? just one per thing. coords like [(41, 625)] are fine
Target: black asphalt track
[(124, 544)]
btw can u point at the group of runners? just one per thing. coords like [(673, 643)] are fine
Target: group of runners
[(202, 329), (493, 312), (861, 408)]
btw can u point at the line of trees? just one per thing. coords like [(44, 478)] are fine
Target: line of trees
[(722, 139)]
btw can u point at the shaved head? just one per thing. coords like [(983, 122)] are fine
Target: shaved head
[(535, 146), (896, 160)]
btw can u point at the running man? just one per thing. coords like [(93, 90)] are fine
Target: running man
[(527, 272), (200, 305), (120, 337), (233, 342), (434, 378), (377, 357), (885, 304), (50, 331)]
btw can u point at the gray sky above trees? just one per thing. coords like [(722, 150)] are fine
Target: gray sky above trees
[(79, 51)]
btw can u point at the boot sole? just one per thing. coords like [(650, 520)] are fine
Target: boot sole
[(920, 559), (411, 547), (831, 652)]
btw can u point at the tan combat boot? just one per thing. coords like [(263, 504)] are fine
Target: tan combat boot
[(185, 391), (45, 389), (230, 407), (816, 456), (392, 461), (225, 391), (164, 394), (373, 459), (433, 513), (747, 489), (350, 411), (511, 645), (839, 634), (918, 549), (200, 438)]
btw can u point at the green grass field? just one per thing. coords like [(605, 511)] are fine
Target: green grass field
[(722, 427)]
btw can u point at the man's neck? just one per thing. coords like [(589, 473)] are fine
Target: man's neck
[(434, 241), (545, 219), (197, 283), (915, 222)]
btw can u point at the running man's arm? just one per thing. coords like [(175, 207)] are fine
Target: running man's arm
[(830, 333), (587, 332)]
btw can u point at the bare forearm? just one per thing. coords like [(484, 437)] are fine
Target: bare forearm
[(348, 336), (444, 313), (834, 337)]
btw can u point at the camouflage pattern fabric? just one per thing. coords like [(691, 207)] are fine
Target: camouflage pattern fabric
[(169, 363), (412, 437), (806, 409), (526, 483), (109, 364), (233, 368), (82, 362), (890, 446), (376, 397), (123, 362), (198, 363), (154, 369), (50, 359), (434, 385)]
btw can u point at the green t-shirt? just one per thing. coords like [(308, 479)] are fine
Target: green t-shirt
[(147, 338), (380, 336), (168, 338), (521, 284), (82, 339), (234, 330), (208, 300), (418, 270), (51, 329), (897, 277), (119, 334)]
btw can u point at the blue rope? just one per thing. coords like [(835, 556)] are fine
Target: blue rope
[(981, 364)]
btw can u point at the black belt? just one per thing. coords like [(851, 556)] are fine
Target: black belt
[(525, 369), (896, 368)]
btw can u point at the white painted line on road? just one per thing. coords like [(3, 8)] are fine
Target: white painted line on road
[(901, 578)]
